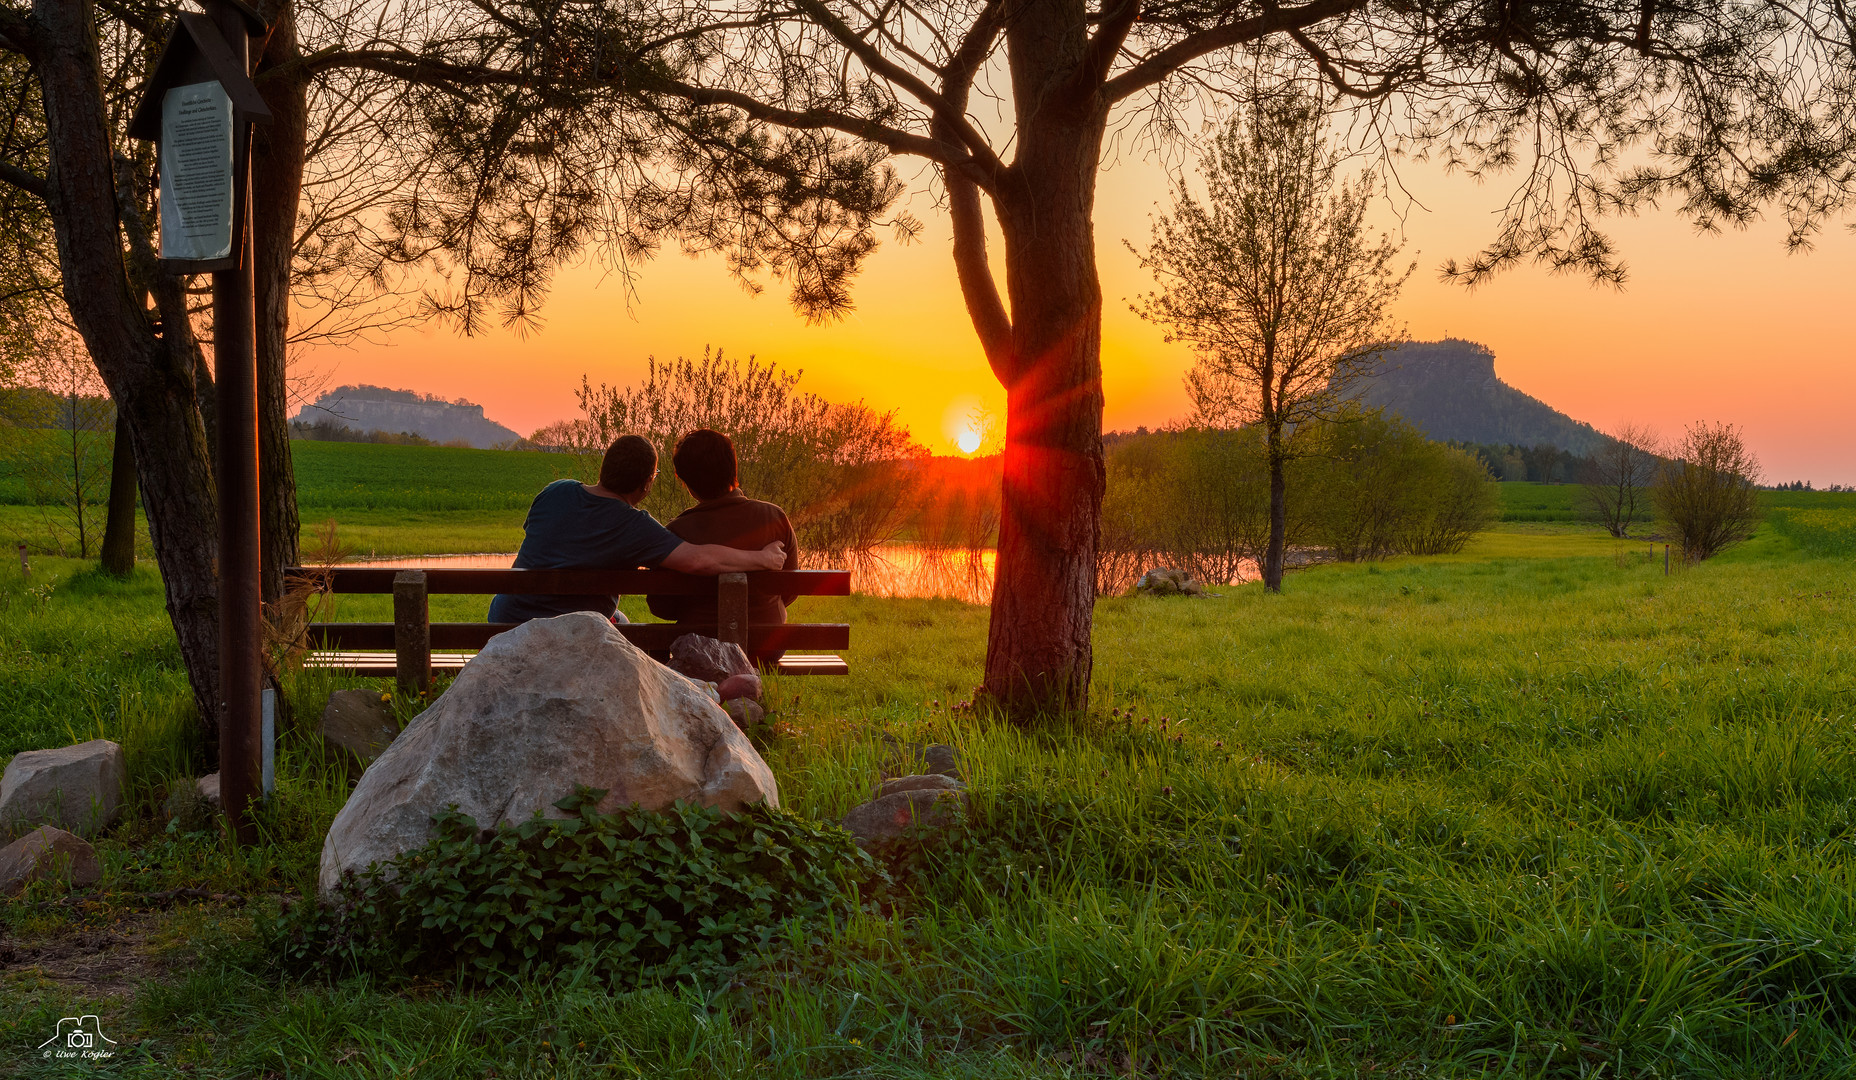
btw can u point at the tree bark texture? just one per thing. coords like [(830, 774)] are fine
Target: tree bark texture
[(118, 555), (150, 376), (1038, 655), (276, 188), (1279, 528)]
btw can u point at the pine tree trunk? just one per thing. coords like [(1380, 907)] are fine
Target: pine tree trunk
[(119, 529), (1038, 657), (276, 188), (150, 376)]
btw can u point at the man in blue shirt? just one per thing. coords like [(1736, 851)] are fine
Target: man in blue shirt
[(575, 526)]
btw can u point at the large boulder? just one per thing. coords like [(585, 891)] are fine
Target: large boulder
[(358, 726), (551, 704), (707, 660), (45, 851), (76, 787)]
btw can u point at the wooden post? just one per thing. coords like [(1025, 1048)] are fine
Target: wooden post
[(203, 146), (25, 568), (412, 632), (731, 609), (235, 378)]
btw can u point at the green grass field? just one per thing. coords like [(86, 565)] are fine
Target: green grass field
[(1533, 810), (1537, 809), (426, 500)]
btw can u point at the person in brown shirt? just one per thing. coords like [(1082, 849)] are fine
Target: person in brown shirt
[(706, 464)]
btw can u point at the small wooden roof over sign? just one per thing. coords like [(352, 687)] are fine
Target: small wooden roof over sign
[(197, 52)]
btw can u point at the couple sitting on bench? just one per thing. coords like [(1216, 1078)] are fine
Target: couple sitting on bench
[(576, 526)]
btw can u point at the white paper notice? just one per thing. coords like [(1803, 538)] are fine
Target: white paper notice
[(196, 172)]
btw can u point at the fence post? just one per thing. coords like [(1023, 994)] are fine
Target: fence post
[(25, 570), (1665, 560), (412, 632), (731, 609)]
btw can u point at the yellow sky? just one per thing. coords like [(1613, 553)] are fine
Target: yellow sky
[(1725, 327)]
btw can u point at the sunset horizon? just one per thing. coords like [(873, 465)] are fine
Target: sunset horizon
[(1749, 333)]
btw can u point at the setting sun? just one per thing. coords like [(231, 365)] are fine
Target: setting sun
[(968, 441)]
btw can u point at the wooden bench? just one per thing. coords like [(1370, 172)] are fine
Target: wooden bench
[(412, 646)]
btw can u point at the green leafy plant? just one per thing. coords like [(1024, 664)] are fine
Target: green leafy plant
[(633, 896)]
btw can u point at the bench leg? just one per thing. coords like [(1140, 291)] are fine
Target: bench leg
[(731, 609), (412, 632)]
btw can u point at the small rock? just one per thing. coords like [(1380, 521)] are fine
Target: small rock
[(78, 787), (739, 686), (708, 660), (915, 759), (929, 782), (745, 712), (208, 788), (883, 821), (1161, 581), (43, 852), (357, 725)]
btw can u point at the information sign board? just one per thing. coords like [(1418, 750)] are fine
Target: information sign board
[(196, 172)]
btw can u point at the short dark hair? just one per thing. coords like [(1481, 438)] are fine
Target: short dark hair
[(705, 461), (629, 464)]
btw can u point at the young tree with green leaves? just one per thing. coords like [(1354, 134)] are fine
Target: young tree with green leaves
[(1273, 281)]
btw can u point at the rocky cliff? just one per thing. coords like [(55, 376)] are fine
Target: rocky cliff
[(1449, 389), (376, 408)]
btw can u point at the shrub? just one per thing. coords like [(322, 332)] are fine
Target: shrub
[(841, 472), (1453, 499), (1706, 493), (1381, 488), (635, 896)]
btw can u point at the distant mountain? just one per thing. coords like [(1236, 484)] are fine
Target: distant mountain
[(376, 408), (1449, 390)]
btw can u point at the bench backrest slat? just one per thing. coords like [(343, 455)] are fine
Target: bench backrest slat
[(650, 636), (483, 581)]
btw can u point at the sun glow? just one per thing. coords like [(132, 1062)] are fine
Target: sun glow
[(968, 441)]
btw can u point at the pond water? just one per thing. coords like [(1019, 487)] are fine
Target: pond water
[(891, 570), (922, 570)]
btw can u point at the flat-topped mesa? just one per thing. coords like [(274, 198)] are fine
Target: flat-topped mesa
[(1449, 390), (374, 408)]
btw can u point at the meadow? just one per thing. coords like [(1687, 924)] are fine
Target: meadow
[(1537, 809), (391, 501)]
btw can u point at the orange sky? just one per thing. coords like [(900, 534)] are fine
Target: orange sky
[(1726, 327)]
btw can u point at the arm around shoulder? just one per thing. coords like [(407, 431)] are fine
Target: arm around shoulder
[(710, 559)]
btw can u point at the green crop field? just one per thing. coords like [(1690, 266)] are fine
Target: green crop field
[(367, 476), (1532, 810)]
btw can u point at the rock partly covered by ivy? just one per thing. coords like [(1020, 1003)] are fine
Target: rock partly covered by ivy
[(622, 898), (547, 706)]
